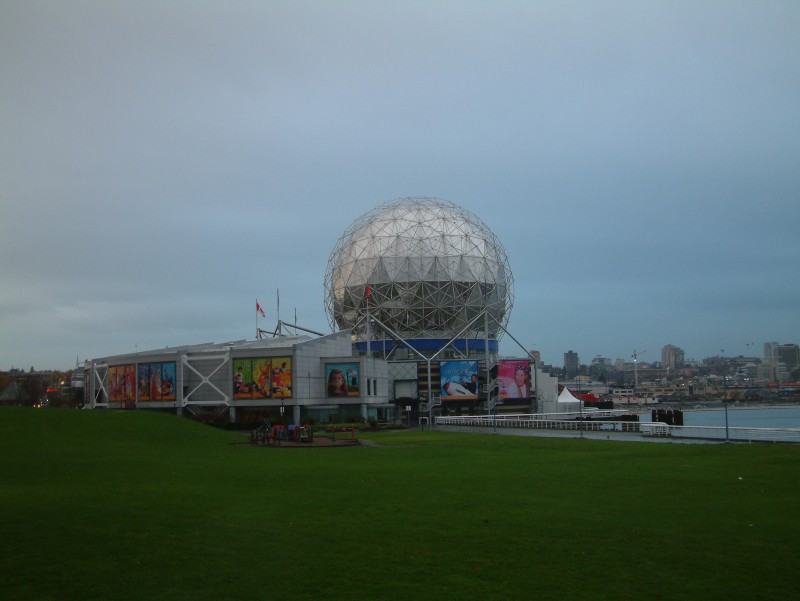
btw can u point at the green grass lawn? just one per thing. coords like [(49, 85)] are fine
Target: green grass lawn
[(137, 505)]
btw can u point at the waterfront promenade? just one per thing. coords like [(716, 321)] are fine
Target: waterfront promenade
[(764, 424)]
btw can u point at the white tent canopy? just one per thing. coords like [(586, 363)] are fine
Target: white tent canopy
[(567, 402)]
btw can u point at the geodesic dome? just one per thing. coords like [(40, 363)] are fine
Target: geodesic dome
[(425, 266)]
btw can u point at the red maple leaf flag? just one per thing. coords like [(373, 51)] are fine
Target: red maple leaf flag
[(260, 310), (368, 291)]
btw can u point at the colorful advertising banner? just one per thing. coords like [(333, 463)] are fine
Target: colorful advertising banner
[(156, 382), (121, 383), (514, 377), (282, 377), (459, 380), (262, 369), (252, 378), (342, 379), (243, 378)]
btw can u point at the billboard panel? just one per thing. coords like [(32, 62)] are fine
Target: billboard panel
[(156, 382), (342, 379), (252, 378), (514, 377), (262, 369), (282, 377), (168, 381), (242, 379), (121, 383), (459, 380)]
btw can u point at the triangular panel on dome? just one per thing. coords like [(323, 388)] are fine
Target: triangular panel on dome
[(456, 243), (417, 231), (362, 272), (361, 248), (382, 244), (444, 266), (432, 274), (474, 267), (475, 296), (430, 246), (426, 265), (396, 267), (447, 296), (403, 273), (406, 246), (416, 269), (464, 270), (380, 273), (353, 296), (391, 247)]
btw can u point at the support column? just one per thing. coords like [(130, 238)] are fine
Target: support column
[(232, 415), (296, 414), (364, 412), (92, 391)]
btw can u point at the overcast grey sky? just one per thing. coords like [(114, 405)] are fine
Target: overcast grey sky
[(163, 164)]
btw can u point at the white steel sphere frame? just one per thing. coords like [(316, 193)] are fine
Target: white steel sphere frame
[(423, 266)]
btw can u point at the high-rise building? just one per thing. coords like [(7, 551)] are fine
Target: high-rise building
[(789, 355), (772, 372), (571, 364), (601, 368), (672, 357), (771, 351)]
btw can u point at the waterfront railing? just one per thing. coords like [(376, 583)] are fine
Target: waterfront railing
[(553, 422), (738, 434), (568, 422)]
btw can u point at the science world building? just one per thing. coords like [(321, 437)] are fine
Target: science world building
[(418, 293), (425, 285)]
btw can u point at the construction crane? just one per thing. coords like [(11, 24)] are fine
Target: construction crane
[(635, 356)]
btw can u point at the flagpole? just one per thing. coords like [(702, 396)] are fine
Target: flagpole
[(280, 332), (258, 310)]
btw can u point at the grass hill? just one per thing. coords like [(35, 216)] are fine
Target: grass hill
[(138, 505)]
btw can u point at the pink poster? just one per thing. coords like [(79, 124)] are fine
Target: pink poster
[(514, 377)]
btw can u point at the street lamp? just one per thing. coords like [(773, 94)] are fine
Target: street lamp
[(724, 391), (749, 346)]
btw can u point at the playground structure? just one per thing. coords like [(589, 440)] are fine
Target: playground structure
[(293, 435), (268, 434)]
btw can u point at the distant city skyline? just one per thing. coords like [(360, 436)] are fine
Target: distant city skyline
[(680, 358), (577, 358)]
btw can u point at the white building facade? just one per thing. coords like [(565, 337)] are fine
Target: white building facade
[(287, 378)]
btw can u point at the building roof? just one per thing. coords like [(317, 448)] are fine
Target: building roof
[(279, 342)]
